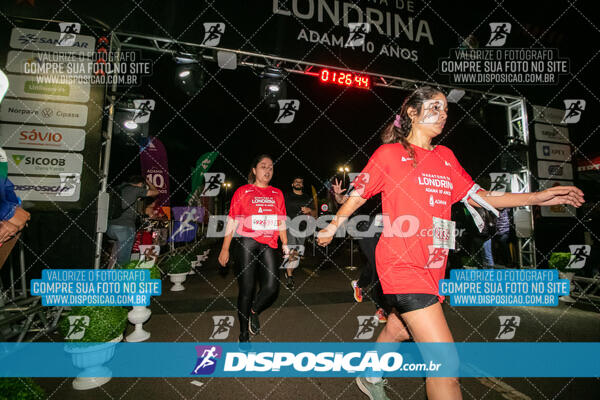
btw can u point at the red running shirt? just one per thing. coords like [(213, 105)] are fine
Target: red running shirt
[(415, 201), (258, 212)]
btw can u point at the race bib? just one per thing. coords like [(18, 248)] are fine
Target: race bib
[(264, 222), (444, 233)]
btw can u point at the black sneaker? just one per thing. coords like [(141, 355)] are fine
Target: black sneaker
[(289, 282), (254, 323), (244, 337)]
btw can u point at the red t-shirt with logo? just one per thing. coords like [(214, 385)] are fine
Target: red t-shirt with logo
[(416, 204), (258, 212)]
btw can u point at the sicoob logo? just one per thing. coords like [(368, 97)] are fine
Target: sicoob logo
[(207, 359)]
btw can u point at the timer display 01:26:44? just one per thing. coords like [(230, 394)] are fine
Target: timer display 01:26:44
[(345, 78)]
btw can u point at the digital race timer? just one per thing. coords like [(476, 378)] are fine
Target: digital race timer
[(345, 78)]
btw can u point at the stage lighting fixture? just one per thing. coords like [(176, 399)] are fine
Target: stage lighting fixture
[(189, 74), (130, 124), (272, 86)]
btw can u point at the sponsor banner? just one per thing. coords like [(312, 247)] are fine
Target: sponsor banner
[(548, 115), (44, 88), (55, 189), (45, 113), (553, 151), (43, 162), (39, 63), (41, 137), (293, 359), (557, 210), (153, 159), (36, 40), (551, 133), (555, 170)]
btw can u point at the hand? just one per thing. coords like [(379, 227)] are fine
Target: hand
[(325, 236), (305, 210), (7, 231), (224, 257), (337, 187), (20, 218), (559, 195), (286, 250)]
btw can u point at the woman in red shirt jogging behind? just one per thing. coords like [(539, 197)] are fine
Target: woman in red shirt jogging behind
[(257, 216), (419, 183)]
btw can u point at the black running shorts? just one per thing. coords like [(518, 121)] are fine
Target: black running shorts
[(409, 302)]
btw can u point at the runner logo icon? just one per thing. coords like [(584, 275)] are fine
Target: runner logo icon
[(358, 32), (500, 31), (212, 183), (207, 359), (366, 327), (222, 325), (68, 33), (579, 255), (573, 109), (437, 256), (212, 33), (287, 111), (508, 327), (77, 326)]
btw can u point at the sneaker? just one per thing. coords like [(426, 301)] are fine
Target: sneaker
[(254, 323), (357, 292), (375, 391), (289, 282), (381, 315)]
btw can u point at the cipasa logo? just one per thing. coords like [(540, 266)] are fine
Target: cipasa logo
[(317, 362)]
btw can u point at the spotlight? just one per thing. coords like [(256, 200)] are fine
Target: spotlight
[(189, 72), (130, 124), (272, 86)]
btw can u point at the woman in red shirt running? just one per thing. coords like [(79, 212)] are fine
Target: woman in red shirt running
[(419, 183), (258, 212)]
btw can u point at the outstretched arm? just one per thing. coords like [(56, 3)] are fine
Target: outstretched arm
[(569, 195), (352, 204)]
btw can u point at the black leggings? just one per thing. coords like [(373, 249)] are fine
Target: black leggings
[(369, 280), (253, 259)]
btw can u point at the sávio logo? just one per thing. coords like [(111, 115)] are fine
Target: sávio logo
[(499, 33), (68, 184), (207, 359), (222, 326), (143, 108), (77, 326), (68, 33), (508, 327), (366, 327), (212, 33), (359, 182), (579, 255), (431, 111), (212, 183), (39, 137), (358, 33), (500, 181), (287, 111), (437, 257), (573, 109), (293, 258), (17, 158)]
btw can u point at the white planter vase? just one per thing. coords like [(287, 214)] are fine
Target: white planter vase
[(177, 279), (138, 316), (91, 359), (569, 276)]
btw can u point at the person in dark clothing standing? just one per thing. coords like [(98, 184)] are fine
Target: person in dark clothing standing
[(122, 228), (299, 206)]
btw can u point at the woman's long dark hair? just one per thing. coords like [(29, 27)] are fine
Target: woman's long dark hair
[(398, 131), (251, 176)]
